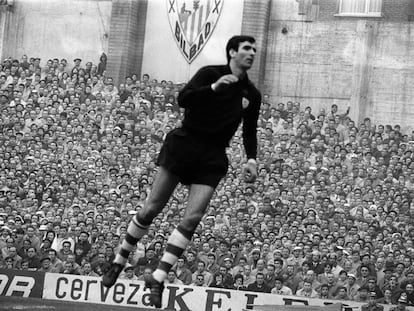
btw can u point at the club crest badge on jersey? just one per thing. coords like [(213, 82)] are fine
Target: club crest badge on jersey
[(245, 102), (192, 23)]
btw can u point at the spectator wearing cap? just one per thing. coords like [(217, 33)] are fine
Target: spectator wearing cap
[(183, 273), (372, 304), (128, 273)]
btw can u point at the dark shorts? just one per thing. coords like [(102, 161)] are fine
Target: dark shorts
[(192, 159)]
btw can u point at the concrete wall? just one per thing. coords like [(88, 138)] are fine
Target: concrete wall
[(366, 64), (57, 28), (126, 38)]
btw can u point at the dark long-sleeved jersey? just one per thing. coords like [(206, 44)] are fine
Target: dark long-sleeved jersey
[(216, 116)]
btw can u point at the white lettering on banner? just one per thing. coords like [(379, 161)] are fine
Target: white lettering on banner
[(193, 23), (18, 284), (176, 297)]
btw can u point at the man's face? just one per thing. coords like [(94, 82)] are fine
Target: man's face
[(244, 56)]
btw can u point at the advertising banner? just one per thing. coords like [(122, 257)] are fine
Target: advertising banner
[(21, 283), (175, 297)]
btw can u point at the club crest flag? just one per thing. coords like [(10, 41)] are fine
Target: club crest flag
[(192, 23)]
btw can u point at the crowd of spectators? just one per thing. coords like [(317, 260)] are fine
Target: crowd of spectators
[(330, 216)]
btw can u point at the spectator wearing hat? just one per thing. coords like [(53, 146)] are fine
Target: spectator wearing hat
[(402, 303), (372, 304), (45, 265), (384, 281), (363, 294)]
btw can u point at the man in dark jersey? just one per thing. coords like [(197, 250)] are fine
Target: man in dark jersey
[(216, 100)]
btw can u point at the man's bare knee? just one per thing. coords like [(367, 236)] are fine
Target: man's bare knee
[(191, 222)]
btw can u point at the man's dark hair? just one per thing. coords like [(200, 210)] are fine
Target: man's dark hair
[(234, 42)]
